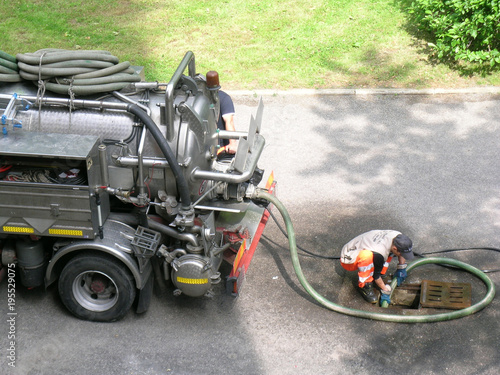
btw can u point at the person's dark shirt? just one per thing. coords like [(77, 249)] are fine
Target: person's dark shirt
[(378, 265), (226, 108)]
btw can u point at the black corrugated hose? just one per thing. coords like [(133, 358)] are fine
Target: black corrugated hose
[(182, 185)]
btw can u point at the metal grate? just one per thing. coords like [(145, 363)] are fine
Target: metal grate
[(442, 295)]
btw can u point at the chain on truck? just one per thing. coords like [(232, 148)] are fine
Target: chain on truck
[(108, 181)]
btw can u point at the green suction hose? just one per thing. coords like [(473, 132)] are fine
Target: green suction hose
[(9, 72), (69, 72), (490, 294)]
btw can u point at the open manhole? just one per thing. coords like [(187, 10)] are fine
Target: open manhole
[(433, 294)]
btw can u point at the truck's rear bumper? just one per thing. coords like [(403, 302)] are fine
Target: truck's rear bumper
[(247, 248)]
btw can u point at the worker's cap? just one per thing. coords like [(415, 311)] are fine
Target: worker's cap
[(404, 246)]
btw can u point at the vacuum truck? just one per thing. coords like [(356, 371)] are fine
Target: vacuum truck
[(109, 182)]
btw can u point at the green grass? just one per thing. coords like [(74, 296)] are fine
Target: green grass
[(253, 44)]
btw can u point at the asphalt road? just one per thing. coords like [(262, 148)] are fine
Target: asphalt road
[(425, 165)]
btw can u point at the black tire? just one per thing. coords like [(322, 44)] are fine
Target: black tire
[(97, 288)]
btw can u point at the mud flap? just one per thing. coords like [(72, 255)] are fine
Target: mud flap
[(145, 294)]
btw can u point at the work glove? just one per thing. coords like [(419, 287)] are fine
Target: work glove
[(385, 295), (400, 273)]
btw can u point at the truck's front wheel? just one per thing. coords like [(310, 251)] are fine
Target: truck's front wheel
[(96, 288)]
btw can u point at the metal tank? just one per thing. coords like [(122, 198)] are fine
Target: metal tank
[(126, 185)]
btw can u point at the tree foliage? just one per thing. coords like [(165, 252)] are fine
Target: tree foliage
[(467, 30)]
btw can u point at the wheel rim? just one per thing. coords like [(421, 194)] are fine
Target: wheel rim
[(95, 291)]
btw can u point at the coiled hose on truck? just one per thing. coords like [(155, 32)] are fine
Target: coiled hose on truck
[(9, 71), (79, 73), (490, 293)]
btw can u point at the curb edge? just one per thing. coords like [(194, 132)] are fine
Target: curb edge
[(366, 92)]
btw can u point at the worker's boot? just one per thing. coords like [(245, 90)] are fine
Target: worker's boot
[(368, 293)]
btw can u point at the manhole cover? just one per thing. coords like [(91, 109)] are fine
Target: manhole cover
[(442, 295)]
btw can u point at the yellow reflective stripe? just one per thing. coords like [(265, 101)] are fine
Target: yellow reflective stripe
[(185, 280), (66, 232), (18, 229)]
